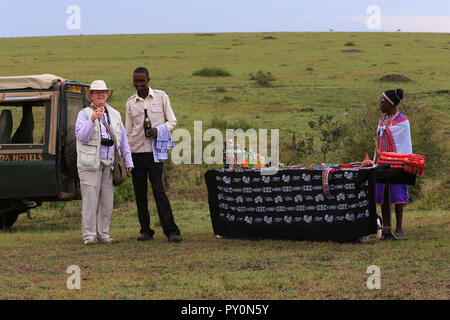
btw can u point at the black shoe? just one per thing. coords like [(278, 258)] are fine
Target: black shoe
[(174, 237), (145, 237), (399, 234)]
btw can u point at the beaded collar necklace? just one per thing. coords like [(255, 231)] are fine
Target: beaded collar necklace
[(387, 120)]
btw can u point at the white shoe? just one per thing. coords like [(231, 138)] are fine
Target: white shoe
[(107, 240), (90, 241)]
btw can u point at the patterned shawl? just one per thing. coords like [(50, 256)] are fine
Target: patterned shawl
[(394, 135)]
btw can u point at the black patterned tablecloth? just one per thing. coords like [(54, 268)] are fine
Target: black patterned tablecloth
[(291, 204)]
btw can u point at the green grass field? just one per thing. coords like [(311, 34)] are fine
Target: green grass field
[(314, 77), (36, 254)]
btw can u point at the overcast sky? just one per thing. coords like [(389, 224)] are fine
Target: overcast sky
[(71, 17)]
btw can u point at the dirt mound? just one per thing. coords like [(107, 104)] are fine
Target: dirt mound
[(352, 50), (268, 38), (394, 78)]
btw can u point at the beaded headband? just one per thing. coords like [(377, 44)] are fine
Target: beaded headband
[(387, 98)]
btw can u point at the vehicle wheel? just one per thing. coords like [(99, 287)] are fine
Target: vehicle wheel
[(70, 152), (7, 220)]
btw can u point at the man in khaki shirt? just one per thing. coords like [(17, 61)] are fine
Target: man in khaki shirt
[(159, 111)]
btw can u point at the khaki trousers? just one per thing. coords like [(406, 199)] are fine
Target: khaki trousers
[(97, 194)]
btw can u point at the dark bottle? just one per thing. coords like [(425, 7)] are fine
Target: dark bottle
[(147, 124), (225, 155)]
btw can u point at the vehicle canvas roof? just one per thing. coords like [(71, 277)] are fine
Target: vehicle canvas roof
[(40, 81)]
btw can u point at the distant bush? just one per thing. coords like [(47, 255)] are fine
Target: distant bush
[(222, 124), (228, 99), (211, 72), (221, 89), (349, 44), (262, 78), (318, 144), (394, 78), (329, 132), (352, 50), (205, 34)]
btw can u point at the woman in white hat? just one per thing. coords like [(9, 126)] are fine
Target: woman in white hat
[(95, 154)]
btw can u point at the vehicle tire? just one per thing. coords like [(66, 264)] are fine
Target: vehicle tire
[(7, 220), (70, 152)]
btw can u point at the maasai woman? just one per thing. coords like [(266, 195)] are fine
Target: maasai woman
[(393, 135)]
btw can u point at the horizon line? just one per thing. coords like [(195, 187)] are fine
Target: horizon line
[(215, 33)]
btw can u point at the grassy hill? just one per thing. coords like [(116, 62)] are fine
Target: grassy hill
[(311, 70)]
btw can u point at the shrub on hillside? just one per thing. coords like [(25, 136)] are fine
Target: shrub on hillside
[(318, 144), (222, 124), (262, 78), (227, 99), (211, 72)]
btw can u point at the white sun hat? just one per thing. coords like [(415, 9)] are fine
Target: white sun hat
[(97, 85)]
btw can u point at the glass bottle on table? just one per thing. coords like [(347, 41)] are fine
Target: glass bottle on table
[(239, 156), (230, 158), (224, 153), (147, 124), (252, 159), (245, 157)]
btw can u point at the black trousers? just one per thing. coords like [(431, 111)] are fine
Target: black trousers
[(146, 168)]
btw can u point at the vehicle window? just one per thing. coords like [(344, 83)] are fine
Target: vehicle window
[(75, 103), (23, 123)]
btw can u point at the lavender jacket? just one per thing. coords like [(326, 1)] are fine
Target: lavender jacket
[(84, 128)]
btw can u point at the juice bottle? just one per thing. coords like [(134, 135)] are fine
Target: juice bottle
[(261, 161), (245, 158)]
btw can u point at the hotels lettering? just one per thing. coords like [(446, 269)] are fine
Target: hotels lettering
[(20, 157)]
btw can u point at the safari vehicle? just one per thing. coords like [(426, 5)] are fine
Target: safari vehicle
[(37, 142)]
